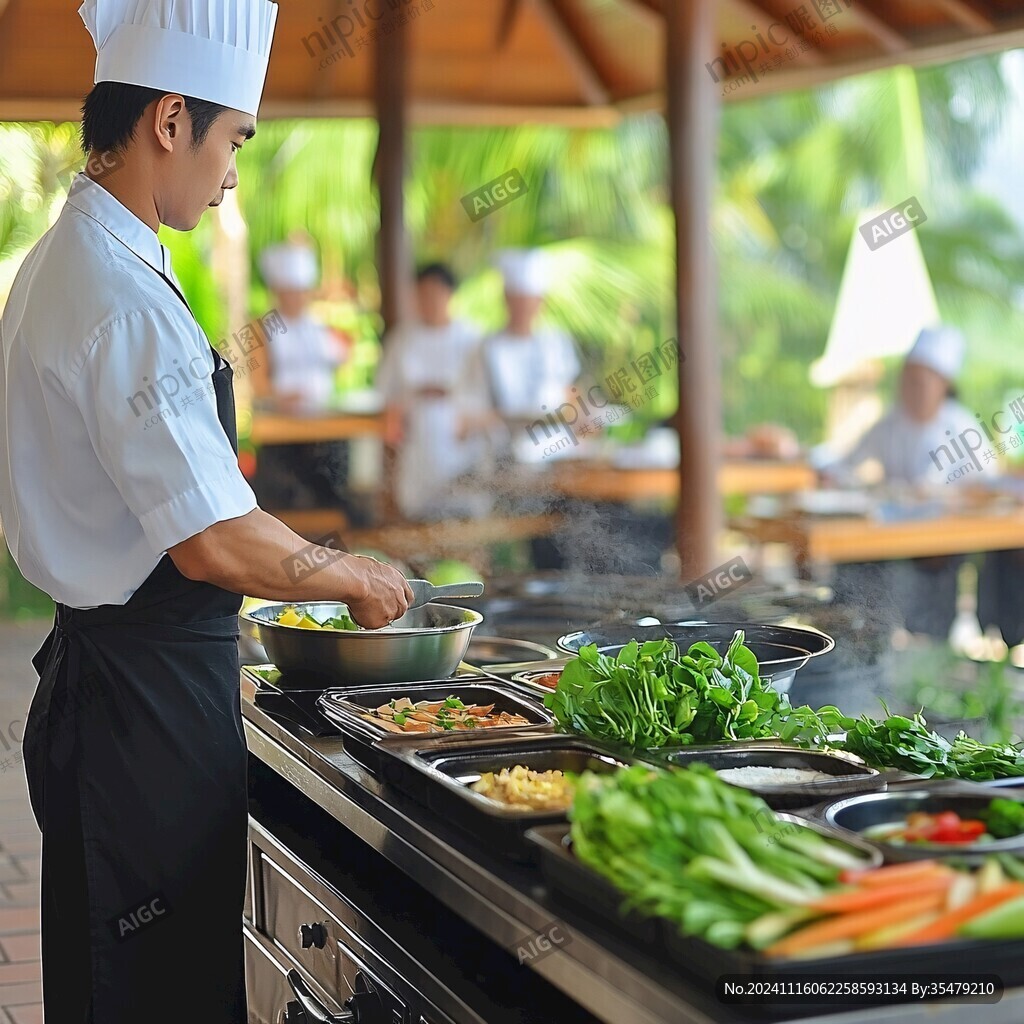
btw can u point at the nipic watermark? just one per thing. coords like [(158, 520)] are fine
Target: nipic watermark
[(893, 223), (800, 22)]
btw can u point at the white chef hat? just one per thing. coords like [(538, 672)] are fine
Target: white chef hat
[(289, 265), (214, 50), (526, 271), (941, 349)]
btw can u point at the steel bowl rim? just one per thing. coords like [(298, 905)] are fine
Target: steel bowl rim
[(799, 653), (474, 618), (1010, 843)]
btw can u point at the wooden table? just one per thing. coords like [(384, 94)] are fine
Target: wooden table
[(816, 539), (281, 428), (597, 481)]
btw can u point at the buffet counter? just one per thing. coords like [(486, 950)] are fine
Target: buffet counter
[(315, 811)]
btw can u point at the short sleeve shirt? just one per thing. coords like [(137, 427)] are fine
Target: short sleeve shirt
[(111, 451)]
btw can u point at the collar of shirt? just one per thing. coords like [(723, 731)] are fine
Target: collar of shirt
[(96, 202)]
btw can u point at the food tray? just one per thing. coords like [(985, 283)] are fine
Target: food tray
[(368, 743), (527, 680), (703, 963), (441, 774), (849, 816), (852, 775)]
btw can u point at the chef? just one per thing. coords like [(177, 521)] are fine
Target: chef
[(526, 368), (420, 378), (120, 496), (303, 357), (922, 591), (904, 440), (297, 376)]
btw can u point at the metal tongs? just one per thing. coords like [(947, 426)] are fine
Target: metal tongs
[(424, 592)]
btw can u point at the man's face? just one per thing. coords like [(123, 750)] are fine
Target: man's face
[(199, 177), (432, 298), (922, 392)]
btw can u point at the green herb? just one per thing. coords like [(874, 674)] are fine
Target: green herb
[(651, 696), (711, 857), (400, 718), (453, 702), (1004, 818), (342, 621), (909, 745)]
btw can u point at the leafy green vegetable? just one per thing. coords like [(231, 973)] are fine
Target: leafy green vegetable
[(343, 621), (651, 696), (1004, 818), (909, 745), (708, 856)]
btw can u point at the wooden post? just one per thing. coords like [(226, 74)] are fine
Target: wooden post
[(692, 116), (390, 93)]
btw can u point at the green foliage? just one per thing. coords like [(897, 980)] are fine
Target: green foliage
[(795, 172)]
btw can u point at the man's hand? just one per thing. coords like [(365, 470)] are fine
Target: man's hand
[(383, 593)]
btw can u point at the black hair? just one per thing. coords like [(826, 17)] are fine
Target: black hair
[(111, 113), (441, 271)]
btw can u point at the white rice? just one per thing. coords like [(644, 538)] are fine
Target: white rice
[(757, 776)]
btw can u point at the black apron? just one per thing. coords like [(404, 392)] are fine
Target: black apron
[(136, 764)]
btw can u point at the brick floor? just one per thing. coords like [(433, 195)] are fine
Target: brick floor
[(20, 988)]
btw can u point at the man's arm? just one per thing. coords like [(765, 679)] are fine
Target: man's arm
[(254, 555)]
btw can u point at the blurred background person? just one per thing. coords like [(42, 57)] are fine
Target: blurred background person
[(422, 379), (298, 371), (526, 369), (900, 450), (295, 374), (901, 444)]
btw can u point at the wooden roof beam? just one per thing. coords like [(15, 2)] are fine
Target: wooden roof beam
[(883, 33), (506, 22), (969, 15), (592, 87), (754, 10)]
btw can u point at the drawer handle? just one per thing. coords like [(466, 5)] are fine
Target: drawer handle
[(313, 935), (309, 1009)]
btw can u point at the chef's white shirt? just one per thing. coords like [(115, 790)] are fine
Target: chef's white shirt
[(303, 360), (110, 447), (419, 357), (528, 376), (908, 451)]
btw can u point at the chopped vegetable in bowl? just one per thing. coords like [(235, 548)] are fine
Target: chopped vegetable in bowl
[(291, 616)]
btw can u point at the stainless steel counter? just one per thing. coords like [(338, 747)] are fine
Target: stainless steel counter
[(602, 972)]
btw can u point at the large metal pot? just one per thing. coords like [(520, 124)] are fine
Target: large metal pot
[(425, 643)]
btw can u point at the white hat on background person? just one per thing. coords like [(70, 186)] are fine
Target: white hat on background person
[(214, 50), (941, 349), (526, 271), (290, 265)]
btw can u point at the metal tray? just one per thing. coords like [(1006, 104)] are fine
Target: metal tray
[(851, 774), (526, 680), (443, 773), (369, 743), (590, 894), (849, 816)]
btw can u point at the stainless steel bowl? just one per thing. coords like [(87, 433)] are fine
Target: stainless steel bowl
[(426, 643)]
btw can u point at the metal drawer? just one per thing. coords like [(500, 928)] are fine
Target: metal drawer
[(266, 984), (301, 926)]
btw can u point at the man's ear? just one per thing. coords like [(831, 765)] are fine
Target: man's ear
[(169, 117)]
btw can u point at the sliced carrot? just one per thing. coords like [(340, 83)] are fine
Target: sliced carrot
[(885, 937), (866, 898), (945, 926), (850, 926), (892, 874)]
